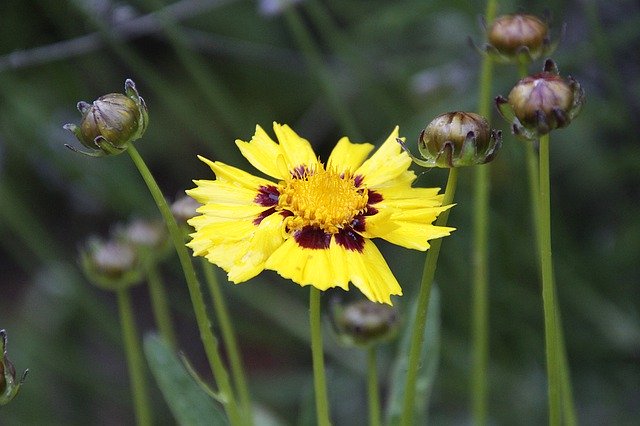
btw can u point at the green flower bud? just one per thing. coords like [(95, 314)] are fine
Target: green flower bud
[(542, 102), (518, 38), (111, 265), (148, 238), (364, 323), (111, 122), (9, 384), (457, 139)]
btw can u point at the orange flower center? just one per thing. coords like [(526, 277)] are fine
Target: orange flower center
[(323, 199)]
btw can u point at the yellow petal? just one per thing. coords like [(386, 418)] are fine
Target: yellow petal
[(297, 151), (228, 173), (371, 274), (306, 266), (347, 156), (261, 152), (387, 163)]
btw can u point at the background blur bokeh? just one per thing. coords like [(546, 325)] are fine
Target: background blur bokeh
[(210, 70)]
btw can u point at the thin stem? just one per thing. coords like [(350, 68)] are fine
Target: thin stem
[(135, 360), (319, 380), (229, 339), (326, 80), (160, 304), (548, 288), (417, 335), (480, 256), (372, 387), (209, 341)]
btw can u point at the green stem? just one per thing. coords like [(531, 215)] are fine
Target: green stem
[(209, 341), (229, 339), (135, 360), (160, 304), (372, 387), (417, 335), (326, 79), (480, 256), (548, 288), (319, 380)]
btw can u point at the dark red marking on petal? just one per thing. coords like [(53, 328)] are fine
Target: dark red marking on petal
[(267, 196), (300, 172), (357, 180), (262, 215), (350, 239), (374, 197), (358, 223), (312, 238), (370, 211)]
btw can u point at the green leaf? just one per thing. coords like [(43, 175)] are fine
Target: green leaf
[(189, 403), (429, 359)]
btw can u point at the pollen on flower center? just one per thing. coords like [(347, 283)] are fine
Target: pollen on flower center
[(322, 198)]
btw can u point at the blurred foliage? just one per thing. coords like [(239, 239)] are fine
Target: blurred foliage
[(209, 71)]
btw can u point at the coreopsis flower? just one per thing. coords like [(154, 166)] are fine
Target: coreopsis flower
[(111, 122), (539, 103), (314, 222), (457, 139)]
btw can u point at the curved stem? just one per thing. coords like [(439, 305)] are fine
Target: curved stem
[(319, 380), (548, 288), (417, 336), (229, 339), (209, 341), (372, 387), (160, 304), (480, 256), (135, 360)]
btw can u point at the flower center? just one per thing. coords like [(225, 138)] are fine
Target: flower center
[(323, 199)]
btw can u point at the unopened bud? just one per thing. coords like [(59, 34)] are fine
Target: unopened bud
[(111, 122), (184, 208), (364, 322), (457, 139), (518, 37), (111, 264), (542, 102)]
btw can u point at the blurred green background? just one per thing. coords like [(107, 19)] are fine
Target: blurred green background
[(209, 71)]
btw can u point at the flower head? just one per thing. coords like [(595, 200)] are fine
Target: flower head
[(314, 222), (518, 38), (457, 139), (111, 122), (542, 102)]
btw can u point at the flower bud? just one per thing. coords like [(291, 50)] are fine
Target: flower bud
[(148, 238), (457, 139), (364, 323), (111, 122), (518, 37), (542, 102), (9, 384), (184, 208), (111, 264)]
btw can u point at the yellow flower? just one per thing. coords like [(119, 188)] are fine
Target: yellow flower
[(314, 223)]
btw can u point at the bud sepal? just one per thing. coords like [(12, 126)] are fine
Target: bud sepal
[(9, 383)]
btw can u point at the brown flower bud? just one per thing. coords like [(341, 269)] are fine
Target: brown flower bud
[(542, 102), (111, 122), (457, 139), (518, 38), (364, 322)]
